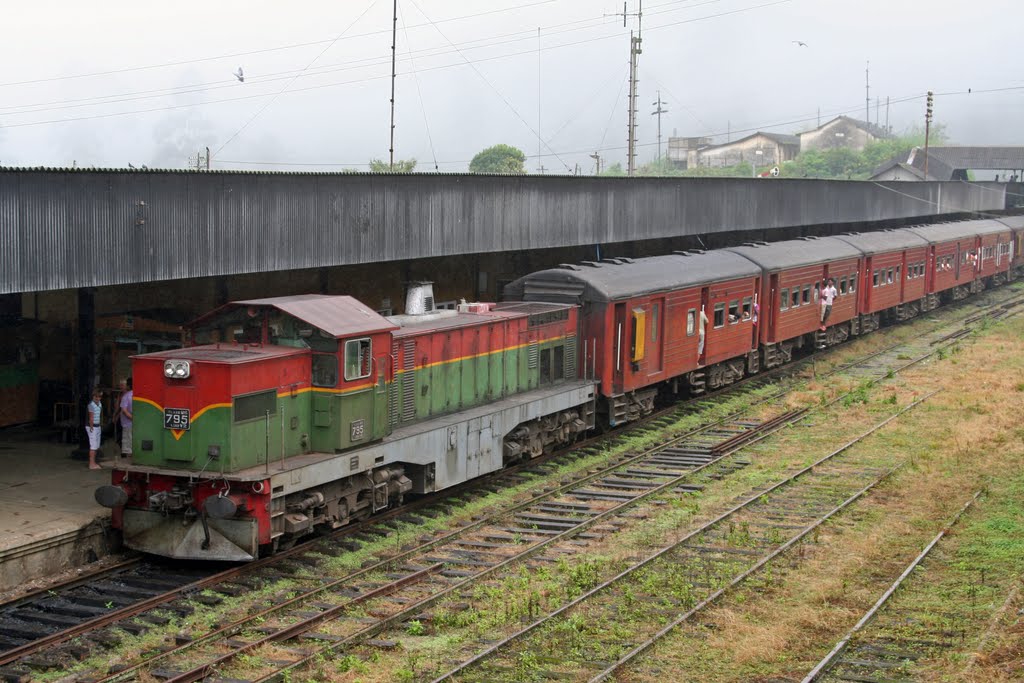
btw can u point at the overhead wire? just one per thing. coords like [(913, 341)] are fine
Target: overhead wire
[(423, 108), (246, 53), (348, 65), (531, 51), (491, 85)]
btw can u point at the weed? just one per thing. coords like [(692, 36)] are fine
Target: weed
[(415, 628)]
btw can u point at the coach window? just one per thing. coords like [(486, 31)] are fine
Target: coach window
[(655, 310), (898, 270), (691, 322), (357, 359), (747, 307), (719, 315), (794, 298), (876, 278), (807, 294), (888, 277), (734, 311), (842, 285), (853, 283), (784, 300)]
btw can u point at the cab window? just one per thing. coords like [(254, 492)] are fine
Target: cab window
[(325, 370), (357, 359)]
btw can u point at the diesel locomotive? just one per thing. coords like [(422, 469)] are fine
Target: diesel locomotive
[(291, 414)]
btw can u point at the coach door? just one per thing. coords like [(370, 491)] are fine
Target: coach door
[(656, 334), (618, 349)]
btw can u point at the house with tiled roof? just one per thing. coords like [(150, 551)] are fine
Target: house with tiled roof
[(840, 132)]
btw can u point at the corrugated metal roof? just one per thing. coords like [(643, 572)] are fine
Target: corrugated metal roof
[(885, 240), (796, 253), (979, 158), (618, 279), (338, 316), (88, 228)]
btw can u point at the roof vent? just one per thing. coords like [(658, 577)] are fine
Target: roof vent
[(569, 266), (419, 298), (592, 264)]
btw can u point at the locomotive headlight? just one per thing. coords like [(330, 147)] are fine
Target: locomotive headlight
[(176, 369)]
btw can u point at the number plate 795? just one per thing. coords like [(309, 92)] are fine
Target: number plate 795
[(176, 418)]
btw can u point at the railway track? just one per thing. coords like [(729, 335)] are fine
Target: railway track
[(867, 654), (133, 618), (627, 614)]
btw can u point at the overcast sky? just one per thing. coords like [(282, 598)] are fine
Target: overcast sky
[(112, 82)]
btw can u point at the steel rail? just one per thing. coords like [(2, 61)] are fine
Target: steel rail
[(696, 532), (206, 669), (376, 628), (824, 665), (129, 611)]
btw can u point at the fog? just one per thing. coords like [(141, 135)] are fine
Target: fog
[(116, 83)]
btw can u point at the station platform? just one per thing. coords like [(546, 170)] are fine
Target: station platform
[(49, 521)]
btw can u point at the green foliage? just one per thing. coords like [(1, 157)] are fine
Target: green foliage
[(499, 159), (401, 166), (844, 163), (615, 169)]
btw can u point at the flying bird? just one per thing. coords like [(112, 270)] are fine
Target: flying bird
[(799, 43), (239, 75)]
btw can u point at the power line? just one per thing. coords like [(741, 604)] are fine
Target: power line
[(484, 79), (272, 99), (416, 79), (348, 65), (246, 53)]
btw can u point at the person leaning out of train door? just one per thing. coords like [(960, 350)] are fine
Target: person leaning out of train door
[(93, 426), (827, 296), (702, 323)]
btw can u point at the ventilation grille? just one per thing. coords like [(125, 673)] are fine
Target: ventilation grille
[(570, 357), (531, 355), (409, 381)]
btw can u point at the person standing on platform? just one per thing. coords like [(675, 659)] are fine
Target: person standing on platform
[(93, 426), (124, 414)]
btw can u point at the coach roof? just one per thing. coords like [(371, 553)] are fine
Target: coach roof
[(799, 252), (947, 232), (621, 278), (883, 241)]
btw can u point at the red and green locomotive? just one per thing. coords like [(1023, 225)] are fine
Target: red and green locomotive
[(294, 413)]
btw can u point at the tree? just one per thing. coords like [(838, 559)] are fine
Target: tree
[(401, 166), (499, 159)]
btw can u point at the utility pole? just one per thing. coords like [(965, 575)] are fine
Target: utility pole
[(658, 112), (394, 40), (867, 92), (887, 114), (597, 161), (927, 130), (634, 53), (878, 106), (539, 139), (200, 162)]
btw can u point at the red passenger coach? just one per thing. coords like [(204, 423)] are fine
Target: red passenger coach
[(641, 324), (963, 254), (1016, 226), (895, 263), (794, 272)]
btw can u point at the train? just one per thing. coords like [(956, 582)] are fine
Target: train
[(294, 415)]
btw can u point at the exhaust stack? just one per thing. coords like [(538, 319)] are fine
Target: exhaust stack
[(419, 298)]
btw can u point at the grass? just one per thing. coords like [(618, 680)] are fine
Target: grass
[(958, 441)]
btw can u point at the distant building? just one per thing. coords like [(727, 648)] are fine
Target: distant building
[(679, 149), (840, 132), (759, 149), (953, 163)]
